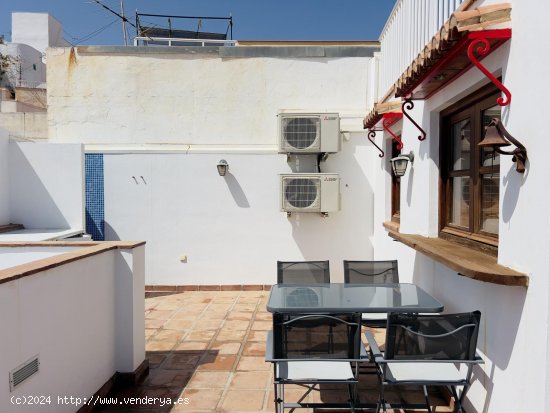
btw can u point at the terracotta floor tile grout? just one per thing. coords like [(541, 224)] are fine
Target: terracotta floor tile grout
[(239, 354)]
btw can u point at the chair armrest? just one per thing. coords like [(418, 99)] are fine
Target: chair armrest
[(269, 347), (376, 353)]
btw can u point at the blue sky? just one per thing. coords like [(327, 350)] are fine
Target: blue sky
[(253, 19)]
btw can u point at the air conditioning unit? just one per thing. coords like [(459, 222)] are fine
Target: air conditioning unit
[(310, 192), (309, 132)]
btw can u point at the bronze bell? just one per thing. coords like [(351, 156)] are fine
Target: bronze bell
[(493, 138)]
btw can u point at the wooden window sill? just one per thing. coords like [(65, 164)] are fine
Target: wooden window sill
[(466, 261), (391, 226)]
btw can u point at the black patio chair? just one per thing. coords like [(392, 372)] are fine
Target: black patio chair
[(315, 349), (371, 272), (303, 272), (427, 350)]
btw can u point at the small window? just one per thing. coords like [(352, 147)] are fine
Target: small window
[(395, 186), (469, 174)]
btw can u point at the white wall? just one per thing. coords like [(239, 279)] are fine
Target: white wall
[(11, 257), (21, 71), (68, 316), (191, 98), (38, 30), (207, 108), (231, 229), (46, 185), (514, 319), (130, 309), (4, 178)]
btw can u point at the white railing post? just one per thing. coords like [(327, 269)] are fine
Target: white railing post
[(409, 27)]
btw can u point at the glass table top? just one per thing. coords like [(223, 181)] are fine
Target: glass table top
[(360, 298)]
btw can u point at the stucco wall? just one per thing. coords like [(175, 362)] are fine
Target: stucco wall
[(46, 185), (11, 257), (231, 228), (207, 108), (26, 67), (70, 316), (31, 96), (514, 319), (191, 98), (4, 178), (26, 125), (38, 30)]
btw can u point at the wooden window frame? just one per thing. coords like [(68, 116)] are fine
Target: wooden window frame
[(470, 107)]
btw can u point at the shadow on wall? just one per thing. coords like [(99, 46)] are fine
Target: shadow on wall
[(346, 234), (109, 233), (513, 181), (501, 310), (236, 191), (30, 202)]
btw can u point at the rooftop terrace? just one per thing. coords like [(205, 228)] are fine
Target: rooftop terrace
[(208, 346)]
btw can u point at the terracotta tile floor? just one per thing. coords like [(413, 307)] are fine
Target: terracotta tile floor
[(208, 346)]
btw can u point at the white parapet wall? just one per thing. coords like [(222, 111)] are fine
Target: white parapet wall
[(4, 178), (81, 311), (204, 96), (46, 185)]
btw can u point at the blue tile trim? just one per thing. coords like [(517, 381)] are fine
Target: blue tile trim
[(95, 200)]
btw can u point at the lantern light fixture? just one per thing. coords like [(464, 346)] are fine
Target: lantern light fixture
[(399, 164), (223, 167)]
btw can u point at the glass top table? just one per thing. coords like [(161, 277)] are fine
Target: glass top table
[(351, 298)]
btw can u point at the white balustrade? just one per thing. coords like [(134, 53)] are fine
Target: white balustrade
[(410, 26)]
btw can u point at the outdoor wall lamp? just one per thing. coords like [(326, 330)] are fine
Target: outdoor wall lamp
[(496, 136), (399, 164), (222, 166)]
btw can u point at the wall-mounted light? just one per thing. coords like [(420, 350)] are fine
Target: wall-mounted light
[(496, 136), (223, 167), (399, 164)]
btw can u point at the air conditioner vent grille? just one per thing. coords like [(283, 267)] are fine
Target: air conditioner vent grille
[(302, 192), (23, 372), (301, 133)]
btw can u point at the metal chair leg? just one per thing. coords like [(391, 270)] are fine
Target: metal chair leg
[(427, 399), (382, 400), (458, 400)]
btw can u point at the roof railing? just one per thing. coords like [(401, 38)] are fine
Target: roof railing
[(171, 41)]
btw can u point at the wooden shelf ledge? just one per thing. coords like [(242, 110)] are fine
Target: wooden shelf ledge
[(10, 227), (466, 261)]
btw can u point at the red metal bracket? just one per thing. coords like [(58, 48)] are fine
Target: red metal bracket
[(388, 120), (371, 135), (409, 105), (482, 47)]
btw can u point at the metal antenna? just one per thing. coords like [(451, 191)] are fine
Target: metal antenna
[(124, 19), (123, 23)]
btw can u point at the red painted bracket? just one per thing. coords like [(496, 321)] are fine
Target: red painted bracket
[(482, 47), (455, 62), (371, 135), (388, 120), (409, 105)]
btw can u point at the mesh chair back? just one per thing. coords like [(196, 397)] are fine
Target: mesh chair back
[(303, 272), (371, 272), (317, 336), (432, 337)]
